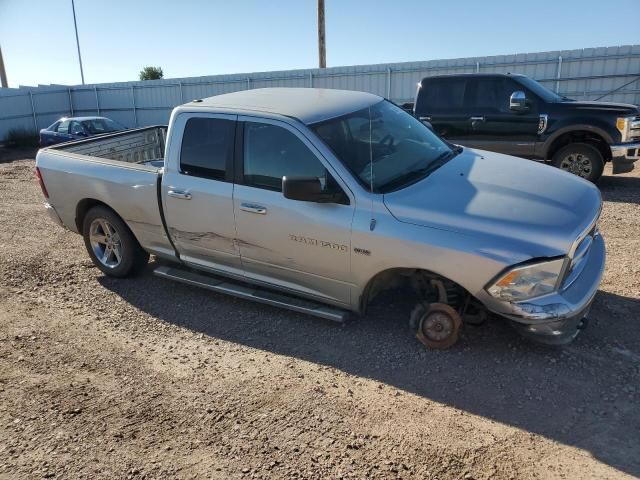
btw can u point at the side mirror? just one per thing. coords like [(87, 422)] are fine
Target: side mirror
[(518, 102), (307, 189)]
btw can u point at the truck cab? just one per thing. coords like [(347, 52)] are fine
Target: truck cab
[(515, 115)]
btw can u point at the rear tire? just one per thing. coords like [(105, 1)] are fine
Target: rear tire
[(111, 245), (581, 159)]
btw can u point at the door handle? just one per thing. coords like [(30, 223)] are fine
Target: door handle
[(477, 119), (179, 194), (253, 208)]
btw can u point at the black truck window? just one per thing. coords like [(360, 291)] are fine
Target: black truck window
[(491, 95), (445, 95)]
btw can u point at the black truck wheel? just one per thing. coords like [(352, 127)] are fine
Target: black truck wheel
[(580, 159), (111, 245)]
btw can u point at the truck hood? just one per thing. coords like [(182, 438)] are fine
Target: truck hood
[(616, 108), (485, 193)]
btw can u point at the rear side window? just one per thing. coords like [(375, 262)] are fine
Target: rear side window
[(207, 147), (272, 152), (63, 126), (442, 95)]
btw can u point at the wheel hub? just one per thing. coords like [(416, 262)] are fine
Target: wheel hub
[(437, 326), (105, 242), (578, 164)]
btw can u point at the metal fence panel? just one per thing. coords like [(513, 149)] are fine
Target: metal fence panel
[(16, 123), (14, 106), (613, 72), (84, 101)]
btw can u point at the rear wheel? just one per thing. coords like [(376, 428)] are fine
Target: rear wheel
[(580, 159), (111, 245)]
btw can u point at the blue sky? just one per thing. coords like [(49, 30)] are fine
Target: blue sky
[(207, 37)]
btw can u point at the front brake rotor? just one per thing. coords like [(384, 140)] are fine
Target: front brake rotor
[(439, 326)]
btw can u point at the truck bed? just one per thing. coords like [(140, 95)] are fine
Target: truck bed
[(144, 146), (121, 170)]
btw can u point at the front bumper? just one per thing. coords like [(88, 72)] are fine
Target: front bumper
[(623, 156), (557, 318)]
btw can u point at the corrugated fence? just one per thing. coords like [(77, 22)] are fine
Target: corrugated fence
[(610, 73)]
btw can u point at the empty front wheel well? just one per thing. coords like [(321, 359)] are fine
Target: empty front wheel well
[(580, 136), (425, 284)]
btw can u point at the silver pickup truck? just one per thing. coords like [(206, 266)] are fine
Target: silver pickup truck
[(318, 200)]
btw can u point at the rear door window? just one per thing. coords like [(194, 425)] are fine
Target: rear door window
[(207, 147), (442, 95)]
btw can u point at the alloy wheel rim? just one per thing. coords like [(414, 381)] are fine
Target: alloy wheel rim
[(105, 243), (578, 164)]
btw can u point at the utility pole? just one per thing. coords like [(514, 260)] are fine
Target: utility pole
[(3, 73), (73, 7), (322, 52)]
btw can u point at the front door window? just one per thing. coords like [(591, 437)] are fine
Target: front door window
[(271, 152)]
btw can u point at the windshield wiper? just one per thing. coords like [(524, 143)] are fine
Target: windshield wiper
[(444, 157), (414, 176)]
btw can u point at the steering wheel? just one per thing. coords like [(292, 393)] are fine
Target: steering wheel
[(387, 141), (386, 145)]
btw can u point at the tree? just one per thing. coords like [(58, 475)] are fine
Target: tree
[(151, 73)]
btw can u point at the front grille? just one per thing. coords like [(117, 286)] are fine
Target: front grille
[(634, 128)]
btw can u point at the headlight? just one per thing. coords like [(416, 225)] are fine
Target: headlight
[(529, 281), (622, 124)]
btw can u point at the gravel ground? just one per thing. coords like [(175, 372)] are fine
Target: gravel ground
[(144, 378)]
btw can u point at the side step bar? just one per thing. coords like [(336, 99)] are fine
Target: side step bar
[(256, 294)]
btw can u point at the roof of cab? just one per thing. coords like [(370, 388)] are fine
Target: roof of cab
[(474, 74), (309, 105), (81, 119)]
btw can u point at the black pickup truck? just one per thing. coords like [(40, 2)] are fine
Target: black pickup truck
[(515, 115)]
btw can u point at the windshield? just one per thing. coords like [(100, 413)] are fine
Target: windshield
[(384, 147), (541, 91), (101, 125)]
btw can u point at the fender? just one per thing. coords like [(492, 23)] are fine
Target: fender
[(573, 127)]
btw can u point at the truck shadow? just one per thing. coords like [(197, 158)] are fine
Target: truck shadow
[(620, 189), (11, 154), (584, 395)]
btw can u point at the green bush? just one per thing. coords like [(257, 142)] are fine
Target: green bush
[(22, 138), (151, 73)]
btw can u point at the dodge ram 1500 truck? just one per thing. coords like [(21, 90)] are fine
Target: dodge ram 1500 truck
[(515, 115), (318, 200)]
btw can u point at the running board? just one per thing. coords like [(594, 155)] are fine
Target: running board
[(256, 294)]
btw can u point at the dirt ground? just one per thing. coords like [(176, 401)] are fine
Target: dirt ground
[(144, 378)]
